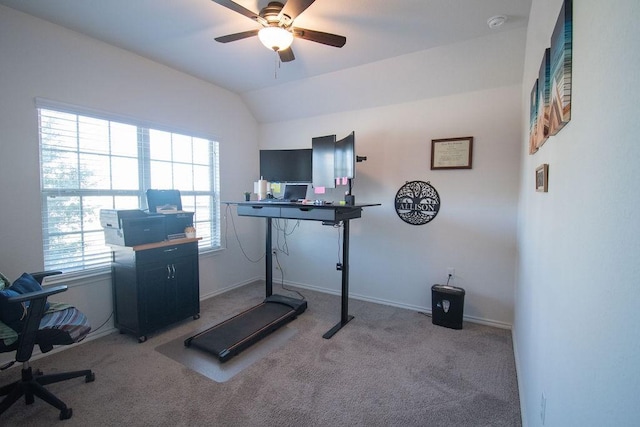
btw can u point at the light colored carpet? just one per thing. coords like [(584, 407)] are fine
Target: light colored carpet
[(387, 367)]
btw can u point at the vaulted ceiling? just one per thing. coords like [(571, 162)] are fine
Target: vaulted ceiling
[(180, 34)]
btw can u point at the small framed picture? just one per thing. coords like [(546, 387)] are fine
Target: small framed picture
[(451, 153), (542, 178)]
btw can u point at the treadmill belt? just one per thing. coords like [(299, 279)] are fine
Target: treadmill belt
[(228, 338)]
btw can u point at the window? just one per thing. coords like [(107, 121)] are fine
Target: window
[(89, 162)]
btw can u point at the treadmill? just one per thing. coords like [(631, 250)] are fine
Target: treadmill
[(230, 337)]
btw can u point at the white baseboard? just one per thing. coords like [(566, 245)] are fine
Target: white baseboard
[(472, 319)]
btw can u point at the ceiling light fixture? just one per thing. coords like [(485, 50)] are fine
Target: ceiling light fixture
[(496, 21), (275, 38)]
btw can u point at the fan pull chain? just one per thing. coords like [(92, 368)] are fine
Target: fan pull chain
[(276, 65)]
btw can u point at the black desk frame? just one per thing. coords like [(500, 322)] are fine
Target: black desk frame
[(328, 214)]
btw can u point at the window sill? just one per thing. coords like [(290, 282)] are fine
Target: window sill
[(77, 276)]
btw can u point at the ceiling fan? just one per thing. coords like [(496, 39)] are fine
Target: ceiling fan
[(277, 30)]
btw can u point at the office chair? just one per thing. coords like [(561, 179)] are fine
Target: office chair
[(63, 327)]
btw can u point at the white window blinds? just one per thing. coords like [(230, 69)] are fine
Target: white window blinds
[(89, 163)]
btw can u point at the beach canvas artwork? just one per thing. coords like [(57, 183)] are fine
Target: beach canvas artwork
[(561, 60)]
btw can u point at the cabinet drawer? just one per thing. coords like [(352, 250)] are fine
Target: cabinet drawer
[(166, 252), (320, 214), (265, 211)]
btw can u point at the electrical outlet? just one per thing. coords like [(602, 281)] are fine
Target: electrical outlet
[(451, 271), (543, 407)]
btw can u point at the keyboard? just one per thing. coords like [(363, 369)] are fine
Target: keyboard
[(276, 201)]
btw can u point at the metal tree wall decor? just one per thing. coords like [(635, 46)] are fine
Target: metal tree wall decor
[(417, 202)]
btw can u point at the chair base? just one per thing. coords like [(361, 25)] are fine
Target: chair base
[(31, 386)]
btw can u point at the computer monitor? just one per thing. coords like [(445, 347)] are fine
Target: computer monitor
[(286, 165), (295, 192)]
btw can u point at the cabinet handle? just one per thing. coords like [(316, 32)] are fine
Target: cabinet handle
[(168, 271), (171, 250), (173, 271)]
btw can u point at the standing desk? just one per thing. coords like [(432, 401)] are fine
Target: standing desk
[(327, 214)]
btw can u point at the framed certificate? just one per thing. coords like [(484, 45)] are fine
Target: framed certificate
[(451, 153)]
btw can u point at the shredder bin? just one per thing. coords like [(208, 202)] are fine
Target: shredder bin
[(447, 306)]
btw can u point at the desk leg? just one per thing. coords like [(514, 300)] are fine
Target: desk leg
[(344, 314), (269, 262)]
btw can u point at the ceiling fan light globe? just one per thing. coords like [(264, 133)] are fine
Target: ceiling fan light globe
[(275, 38)]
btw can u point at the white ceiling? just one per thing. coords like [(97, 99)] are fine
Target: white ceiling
[(180, 33)]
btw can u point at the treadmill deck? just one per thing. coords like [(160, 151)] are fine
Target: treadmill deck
[(230, 337)]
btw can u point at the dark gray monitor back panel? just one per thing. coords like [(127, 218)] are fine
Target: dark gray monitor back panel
[(323, 149)]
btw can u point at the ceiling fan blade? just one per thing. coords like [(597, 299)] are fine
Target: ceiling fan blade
[(286, 55), (294, 8), (237, 36), (320, 37), (237, 8)]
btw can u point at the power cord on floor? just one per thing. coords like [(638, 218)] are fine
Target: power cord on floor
[(93, 331)]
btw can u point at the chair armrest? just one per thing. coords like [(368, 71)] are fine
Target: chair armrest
[(43, 294), (40, 275)]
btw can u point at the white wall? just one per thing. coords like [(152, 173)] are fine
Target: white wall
[(576, 326), (39, 59), (397, 263)]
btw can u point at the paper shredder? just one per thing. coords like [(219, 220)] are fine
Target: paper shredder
[(447, 306)]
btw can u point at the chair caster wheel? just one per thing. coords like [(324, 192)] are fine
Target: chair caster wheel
[(196, 316), (142, 339), (90, 378), (65, 414)]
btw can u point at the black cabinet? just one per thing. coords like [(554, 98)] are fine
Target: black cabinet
[(155, 285)]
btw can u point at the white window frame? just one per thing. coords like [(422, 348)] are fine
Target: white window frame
[(85, 248)]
